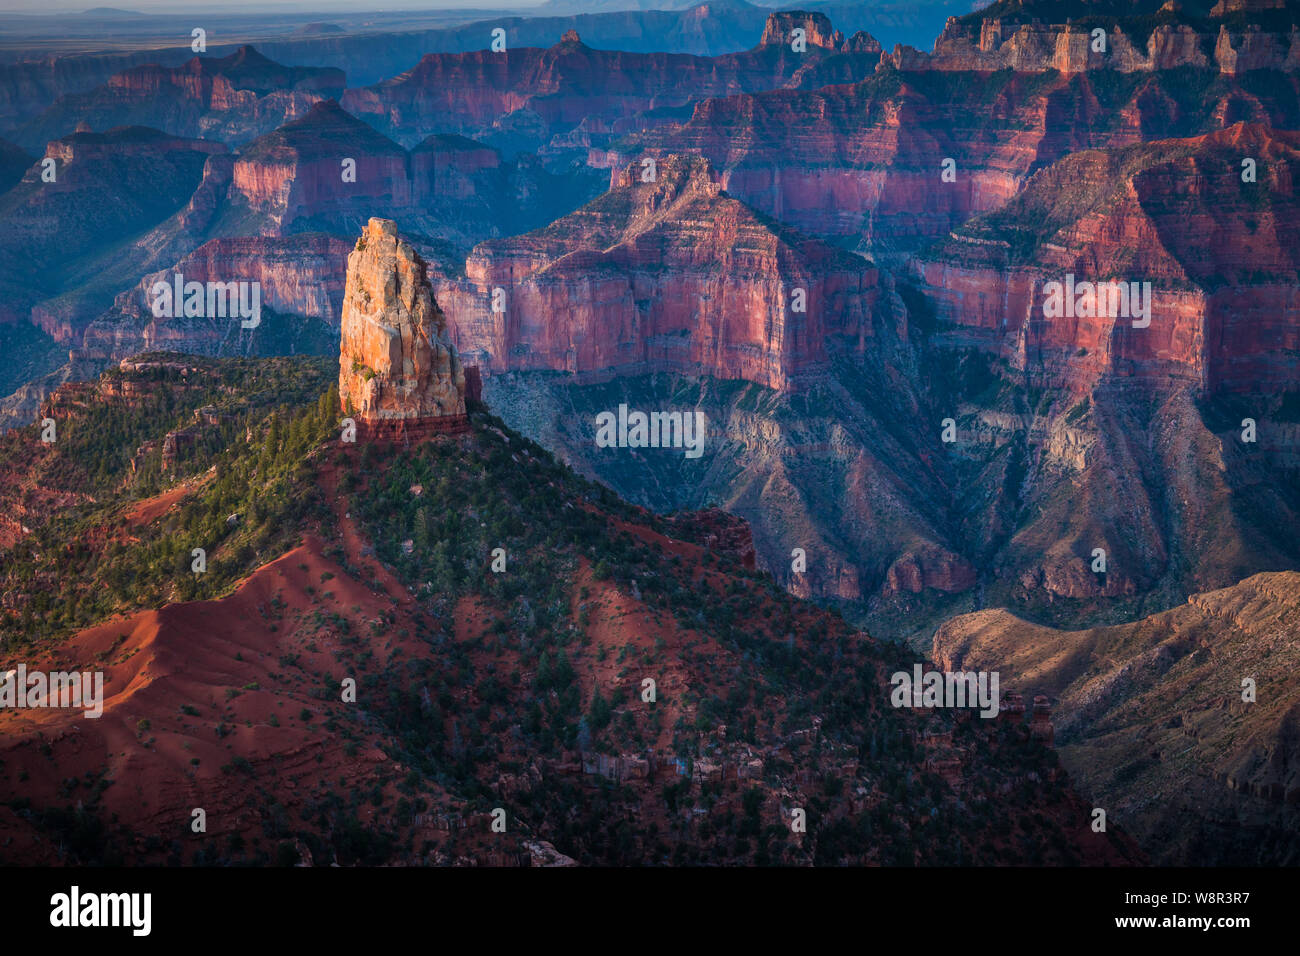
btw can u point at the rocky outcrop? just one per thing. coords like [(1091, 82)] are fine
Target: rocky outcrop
[(716, 531), (932, 567), (669, 274), (1030, 37), (399, 375), (818, 32)]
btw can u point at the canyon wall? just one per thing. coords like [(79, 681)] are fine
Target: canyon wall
[(663, 275)]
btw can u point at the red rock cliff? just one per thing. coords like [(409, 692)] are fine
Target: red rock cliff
[(1220, 254), (672, 275), (865, 161)]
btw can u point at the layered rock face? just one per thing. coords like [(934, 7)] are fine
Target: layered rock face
[(866, 161), (817, 31), (329, 171), (31, 85), (301, 276), (399, 375), (1220, 255), (527, 96), (663, 275), (1029, 37), (230, 98), (816, 26), (131, 202), (450, 167), (298, 171)]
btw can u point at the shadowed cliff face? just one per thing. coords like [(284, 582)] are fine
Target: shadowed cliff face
[(97, 191)]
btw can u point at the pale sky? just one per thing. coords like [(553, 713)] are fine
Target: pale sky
[(256, 6)]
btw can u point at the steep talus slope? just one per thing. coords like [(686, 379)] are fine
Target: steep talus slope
[(830, 470), (923, 478), (1151, 714)]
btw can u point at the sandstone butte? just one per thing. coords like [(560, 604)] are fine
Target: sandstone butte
[(399, 375)]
